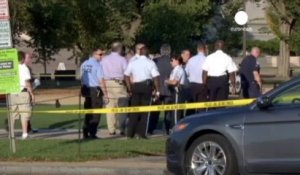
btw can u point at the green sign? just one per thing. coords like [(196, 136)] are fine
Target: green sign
[(9, 71)]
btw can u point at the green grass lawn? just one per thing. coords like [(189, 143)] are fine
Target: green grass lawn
[(51, 121), (66, 150), (69, 121)]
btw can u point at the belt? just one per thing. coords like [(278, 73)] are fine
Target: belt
[(195, 83), (148, 82), (24, 90), (217, 76), (120, 82)]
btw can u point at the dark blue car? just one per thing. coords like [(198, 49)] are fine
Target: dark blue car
[(260, 138)]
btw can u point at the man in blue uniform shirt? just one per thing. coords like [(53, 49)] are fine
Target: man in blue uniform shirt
[(94, 91), (250, 75)]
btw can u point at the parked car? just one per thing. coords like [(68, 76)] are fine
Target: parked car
[(260, 138)]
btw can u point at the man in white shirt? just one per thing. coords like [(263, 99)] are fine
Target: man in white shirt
[(144, 75), (216, 68), (193, 70), (138, 48), (23, 100)]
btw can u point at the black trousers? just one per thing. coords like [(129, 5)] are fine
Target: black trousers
[(141, 96), (93, 99), (188, 98), (199, 94), (175, 115), (154, 116), (250, 89), (218, 88)]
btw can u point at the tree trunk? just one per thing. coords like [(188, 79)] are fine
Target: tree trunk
[(284, 55), (44, 62)]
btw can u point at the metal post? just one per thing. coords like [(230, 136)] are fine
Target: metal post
[(244, 42), (244, 34), (79, 125), (11, 130), (148, 117), (176, 101)]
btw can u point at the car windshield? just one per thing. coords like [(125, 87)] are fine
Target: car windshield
[(290, 84)]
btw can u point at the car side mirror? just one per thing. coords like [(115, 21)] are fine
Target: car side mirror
[(263, 102)]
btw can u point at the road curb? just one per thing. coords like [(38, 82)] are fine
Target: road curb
[(72, 170)]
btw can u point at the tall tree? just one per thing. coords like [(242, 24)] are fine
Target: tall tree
[(173, 21), (47, 27), (221, 24), (282, 16), (98, 23), (18, 18)]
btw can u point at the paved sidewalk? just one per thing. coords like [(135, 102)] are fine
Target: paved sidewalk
[(132, 166)]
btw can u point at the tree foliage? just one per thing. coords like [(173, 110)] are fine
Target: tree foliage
[(283, 16), (100, 22), (219, 27), (173, 21), (47, 27), (18, 17), (270, 47)]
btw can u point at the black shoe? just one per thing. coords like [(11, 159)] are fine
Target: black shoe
[(122, 133), (142, 138), (94, 137), (112, 133), (150, 132), (85, 133), (168, 132)]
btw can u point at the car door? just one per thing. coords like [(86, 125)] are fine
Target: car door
[(272, 135)]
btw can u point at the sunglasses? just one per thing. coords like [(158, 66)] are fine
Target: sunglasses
[(100, 54)]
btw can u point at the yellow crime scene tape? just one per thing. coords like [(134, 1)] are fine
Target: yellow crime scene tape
[(169, 107)]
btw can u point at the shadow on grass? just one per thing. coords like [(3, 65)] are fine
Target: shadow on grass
[(82, 140), (64, 124), (142, 153), (54, 135)]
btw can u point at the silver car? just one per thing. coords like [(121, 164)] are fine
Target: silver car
[(260, 138)]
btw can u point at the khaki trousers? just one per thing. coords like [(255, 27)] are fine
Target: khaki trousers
[(118, 97)]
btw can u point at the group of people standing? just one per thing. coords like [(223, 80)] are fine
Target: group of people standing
[(114, 81)]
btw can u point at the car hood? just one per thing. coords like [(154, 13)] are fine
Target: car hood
[(219, 112)]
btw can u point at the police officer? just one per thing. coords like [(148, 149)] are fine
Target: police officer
[(94, 91), (215, 69), (164, 69), (144, 74), (193, 70), (176, 82), (250, 74), (187, 94)]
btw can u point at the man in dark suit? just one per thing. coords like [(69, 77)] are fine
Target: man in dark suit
[(165, 69)]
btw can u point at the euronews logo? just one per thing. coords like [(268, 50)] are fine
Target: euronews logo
[(241, 19)]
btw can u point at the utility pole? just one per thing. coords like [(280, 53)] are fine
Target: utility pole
[(244, 33)]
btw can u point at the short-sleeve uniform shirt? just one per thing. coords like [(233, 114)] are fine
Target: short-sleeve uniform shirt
[(218, 64), (193, 68), (91, 73), (248, 66), (141, 69), (178, 74)]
